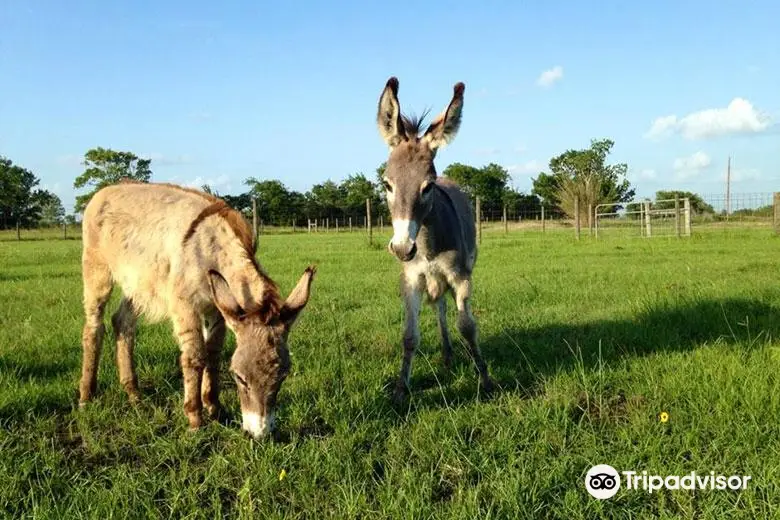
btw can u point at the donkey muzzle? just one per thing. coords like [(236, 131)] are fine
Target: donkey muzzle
[(404, 251)]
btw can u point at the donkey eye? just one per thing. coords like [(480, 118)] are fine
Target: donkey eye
[(427, 189), (240, 380), (387, 186)]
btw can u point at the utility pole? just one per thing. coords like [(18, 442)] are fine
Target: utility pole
[(728, 188)]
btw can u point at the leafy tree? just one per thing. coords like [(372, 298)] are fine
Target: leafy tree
[(584, 174), (356, 189), (273, 200), (519, 202), (105, 167), (488, 182), (326, 199), (242, 202), (18, 203), (49, 206), (698, 206)]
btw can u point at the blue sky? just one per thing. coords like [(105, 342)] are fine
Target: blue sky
[(217, 93)]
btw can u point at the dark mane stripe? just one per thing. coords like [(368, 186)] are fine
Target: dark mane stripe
[(413, 124)]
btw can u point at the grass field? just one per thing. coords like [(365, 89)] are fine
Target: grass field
[(590, 342)]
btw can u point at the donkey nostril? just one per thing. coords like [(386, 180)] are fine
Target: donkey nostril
[(412, 251)]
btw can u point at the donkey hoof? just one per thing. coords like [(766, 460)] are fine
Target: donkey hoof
[(400, 395), (488, 386), (214, 411)]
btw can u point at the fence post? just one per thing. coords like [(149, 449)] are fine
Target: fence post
[(381, 223), (65, 230), (577, 217), (596, 220), (254, 217), (18, 231), (543, 218), (479, 220), (368, 220), (776, 214), (648, 231), (687, 208), (677, 215), (590, 219), (350, 223), (506, 222)]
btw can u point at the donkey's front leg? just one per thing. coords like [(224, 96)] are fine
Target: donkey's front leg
[(214, 336), (186, 326), (412, 300)]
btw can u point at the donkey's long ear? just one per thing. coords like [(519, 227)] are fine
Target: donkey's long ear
[(298, 298), (388, 115), (444, 128), (223, 297)]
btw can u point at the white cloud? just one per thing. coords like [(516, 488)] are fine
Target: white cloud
[(739, 117), (550, 76), (521, 148), (647, 173), (533, 166), (220, 183), (687, 167)]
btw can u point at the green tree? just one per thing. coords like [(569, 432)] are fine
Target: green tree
[(698, 206), (488, 182), (325, 200), (356, 189), (105, 167), (584, 175), (50, 208), (273, 200), (18, 202)]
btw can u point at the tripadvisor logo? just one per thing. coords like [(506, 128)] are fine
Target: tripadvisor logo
[(603, 481)]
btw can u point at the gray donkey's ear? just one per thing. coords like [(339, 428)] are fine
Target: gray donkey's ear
[(388, 116), (445, 127)]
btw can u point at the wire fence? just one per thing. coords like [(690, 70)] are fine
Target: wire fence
[(638, 218)]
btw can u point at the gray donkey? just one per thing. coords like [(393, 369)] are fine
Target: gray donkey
[(434, 232)]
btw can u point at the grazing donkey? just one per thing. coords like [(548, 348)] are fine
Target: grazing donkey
[(433, 227), (185, 255)]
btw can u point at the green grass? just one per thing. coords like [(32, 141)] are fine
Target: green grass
[(589, 341)]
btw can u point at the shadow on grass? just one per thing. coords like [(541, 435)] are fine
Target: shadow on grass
[(520, 359)]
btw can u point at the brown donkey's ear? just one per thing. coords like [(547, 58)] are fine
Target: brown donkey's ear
[(388, 116), (298, 298), (443, 129), (223, 297)]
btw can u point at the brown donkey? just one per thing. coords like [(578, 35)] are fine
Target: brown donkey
[(183, 255), (434, 233)]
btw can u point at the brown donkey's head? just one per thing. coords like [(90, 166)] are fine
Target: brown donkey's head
[(261, 360), (410, 173)]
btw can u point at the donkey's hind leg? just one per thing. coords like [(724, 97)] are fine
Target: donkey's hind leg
[(446, 345), (97, 290), (467, 326), (124, 321)]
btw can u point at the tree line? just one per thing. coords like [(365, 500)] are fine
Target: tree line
[(576, 174)]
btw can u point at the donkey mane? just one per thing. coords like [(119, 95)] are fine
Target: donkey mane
[(243, 232), (413, 124)]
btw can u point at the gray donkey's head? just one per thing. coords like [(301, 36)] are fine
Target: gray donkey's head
[(410, 174)]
